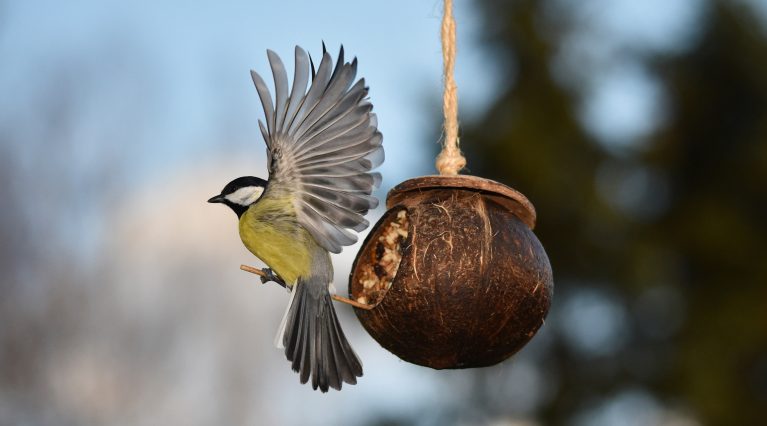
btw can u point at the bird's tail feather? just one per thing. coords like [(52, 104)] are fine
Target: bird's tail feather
[(314, 341), (279, 337)]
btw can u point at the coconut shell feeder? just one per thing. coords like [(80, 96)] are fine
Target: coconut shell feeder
[(452, 275)]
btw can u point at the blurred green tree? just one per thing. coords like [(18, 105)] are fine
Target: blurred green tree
[(697, 226)]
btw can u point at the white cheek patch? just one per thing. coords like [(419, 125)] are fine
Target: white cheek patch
[(245, 196)]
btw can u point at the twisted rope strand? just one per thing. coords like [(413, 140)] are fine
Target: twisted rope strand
[(450, 161)]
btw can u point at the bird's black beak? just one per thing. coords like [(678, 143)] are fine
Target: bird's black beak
[(216, 199)]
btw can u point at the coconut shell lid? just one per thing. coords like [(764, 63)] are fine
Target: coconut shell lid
[(509, 197)]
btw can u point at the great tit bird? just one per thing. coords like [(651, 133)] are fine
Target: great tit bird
[(321, 147)]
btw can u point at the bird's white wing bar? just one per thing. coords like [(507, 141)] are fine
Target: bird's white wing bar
[(322, 145)]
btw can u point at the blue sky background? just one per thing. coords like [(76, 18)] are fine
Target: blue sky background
[(187, 63)]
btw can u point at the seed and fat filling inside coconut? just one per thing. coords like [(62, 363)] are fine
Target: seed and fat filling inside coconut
[(381, 268)]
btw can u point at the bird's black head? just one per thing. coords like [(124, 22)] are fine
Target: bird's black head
[(240, 193)]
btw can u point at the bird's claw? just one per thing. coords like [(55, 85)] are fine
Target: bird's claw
[(269, 275)]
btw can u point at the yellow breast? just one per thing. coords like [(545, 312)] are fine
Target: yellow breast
[(270, 231)]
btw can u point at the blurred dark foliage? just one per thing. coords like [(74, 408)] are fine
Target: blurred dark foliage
[(705, 235)]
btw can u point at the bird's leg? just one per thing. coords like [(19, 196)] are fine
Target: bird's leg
[(269, 275), (266, 275)]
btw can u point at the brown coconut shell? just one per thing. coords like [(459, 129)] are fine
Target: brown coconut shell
[(474, 283)]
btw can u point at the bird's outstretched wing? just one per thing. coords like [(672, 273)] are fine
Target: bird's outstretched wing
[(321, 145)]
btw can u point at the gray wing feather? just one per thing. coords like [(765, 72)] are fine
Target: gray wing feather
[(346, 111), (266, 100), (355, 183), (338, 215), (330, 98), (341, 170), (300, 79), (322, 145), (350, 125), (376, 158), (280, 87), (370, 161), (319, 83)]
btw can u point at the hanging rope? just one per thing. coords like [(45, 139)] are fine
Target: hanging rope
[(450, 161)]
